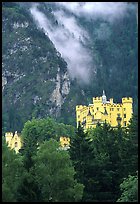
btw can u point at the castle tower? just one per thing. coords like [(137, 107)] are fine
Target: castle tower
[(8, 137), (104, 97), (13, 141), (127, 110)]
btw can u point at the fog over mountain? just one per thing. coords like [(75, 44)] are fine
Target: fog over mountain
[(68, 33)]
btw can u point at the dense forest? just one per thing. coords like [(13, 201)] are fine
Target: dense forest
[(100, 166)]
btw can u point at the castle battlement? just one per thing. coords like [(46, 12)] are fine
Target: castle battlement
[(8, 134), (97, 99), (102, 110), (127, 100), (79, 107)]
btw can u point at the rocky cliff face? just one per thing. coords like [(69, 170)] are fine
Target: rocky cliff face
[(60, 92), (35, 80)]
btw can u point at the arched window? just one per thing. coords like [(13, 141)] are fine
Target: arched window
[(16, 144)]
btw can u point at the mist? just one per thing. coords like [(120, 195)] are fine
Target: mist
[(109, 11), (70, 39)]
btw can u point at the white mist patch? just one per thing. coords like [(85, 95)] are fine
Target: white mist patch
[(69, 40), (109, 11)]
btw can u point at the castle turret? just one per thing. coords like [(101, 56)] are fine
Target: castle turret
[(104, 97), (111, 100), (127, 110), (8, 137)]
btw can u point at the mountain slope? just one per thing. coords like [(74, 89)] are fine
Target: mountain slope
[(38, 81), (35, 77)]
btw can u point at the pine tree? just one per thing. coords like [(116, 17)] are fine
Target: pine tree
[(28, 189), (132, 146), (81, 155)]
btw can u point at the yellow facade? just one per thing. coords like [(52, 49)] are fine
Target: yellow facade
[(13, 141), (64, 141), (102, 110)]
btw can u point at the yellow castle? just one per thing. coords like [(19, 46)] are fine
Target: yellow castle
[(13, 141), (102, 110)]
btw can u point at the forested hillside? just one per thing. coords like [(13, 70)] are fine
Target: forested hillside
[(41, 80)]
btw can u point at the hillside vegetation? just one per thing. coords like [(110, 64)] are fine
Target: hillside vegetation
[(36, 81)]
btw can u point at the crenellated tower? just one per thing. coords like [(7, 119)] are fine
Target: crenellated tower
[(102, 110)]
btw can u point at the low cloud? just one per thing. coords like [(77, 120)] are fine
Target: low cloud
[(69, 39), (109, 11)]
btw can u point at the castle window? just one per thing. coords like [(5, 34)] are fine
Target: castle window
[(118, 109), (124, 123), (16, 144), (119, 120), (112, 109), (118, 114), (97, 108), (124, 115), (124, 109)]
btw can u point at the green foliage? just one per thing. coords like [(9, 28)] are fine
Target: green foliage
[(55, 174), (39, 62), (81, 155), (34, 133), (131, 149), (92, 170), (28, 190), (44, 129), (105, 164), (103, 160), (129, 189), (12, 170)]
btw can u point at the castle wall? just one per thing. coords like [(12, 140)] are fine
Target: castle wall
[(100, 112), (13, 141)]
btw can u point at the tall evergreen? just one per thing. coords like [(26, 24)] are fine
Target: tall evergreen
[(106, 163), (132, 145), (29, 189), (81, 155), (12, 171)]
